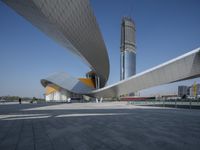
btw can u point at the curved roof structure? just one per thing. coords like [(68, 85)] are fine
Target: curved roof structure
[(184, 67), (67, 82), (181, 68), (71, 23)]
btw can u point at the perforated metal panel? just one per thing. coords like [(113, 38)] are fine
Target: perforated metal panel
[(71, 23)]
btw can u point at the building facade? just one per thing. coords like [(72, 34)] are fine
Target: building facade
[(127, 49), (192, 91), (64, 22), (182, 90)]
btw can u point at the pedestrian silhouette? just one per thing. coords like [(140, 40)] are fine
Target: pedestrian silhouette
[(20, 100)]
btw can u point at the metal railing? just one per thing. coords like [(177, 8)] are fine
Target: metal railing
[(176, 103)]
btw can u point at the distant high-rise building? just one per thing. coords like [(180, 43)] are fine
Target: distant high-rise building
[(128, 49), (182, 90), (195, 90)]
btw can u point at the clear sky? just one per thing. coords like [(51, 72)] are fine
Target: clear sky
[(164, 29)]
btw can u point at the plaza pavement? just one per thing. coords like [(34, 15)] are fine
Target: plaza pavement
[(97, 126)]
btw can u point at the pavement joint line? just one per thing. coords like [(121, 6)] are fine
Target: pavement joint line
[(34, 138), (7, 132), (19, 137), (96, 131), (45, 132)]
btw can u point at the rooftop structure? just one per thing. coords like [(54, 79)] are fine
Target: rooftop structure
[(73, 25)]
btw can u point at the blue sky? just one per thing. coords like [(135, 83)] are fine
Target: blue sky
[(164, 30)]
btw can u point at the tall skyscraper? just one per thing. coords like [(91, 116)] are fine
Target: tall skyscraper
[(128, 49)]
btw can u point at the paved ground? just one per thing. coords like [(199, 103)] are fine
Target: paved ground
[(93, 126)]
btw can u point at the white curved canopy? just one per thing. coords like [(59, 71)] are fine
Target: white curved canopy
[(184, 67), (67, 82), (71, 23)]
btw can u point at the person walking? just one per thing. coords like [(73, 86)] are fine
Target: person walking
[(20, 100)]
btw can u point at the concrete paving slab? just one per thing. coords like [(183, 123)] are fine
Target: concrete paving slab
[(96, 126)]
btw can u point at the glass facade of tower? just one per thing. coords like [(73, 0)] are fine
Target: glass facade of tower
[(128, 67), (128, 49)]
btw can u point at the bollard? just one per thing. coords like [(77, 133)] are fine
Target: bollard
[(175, 103), (164, 103)]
